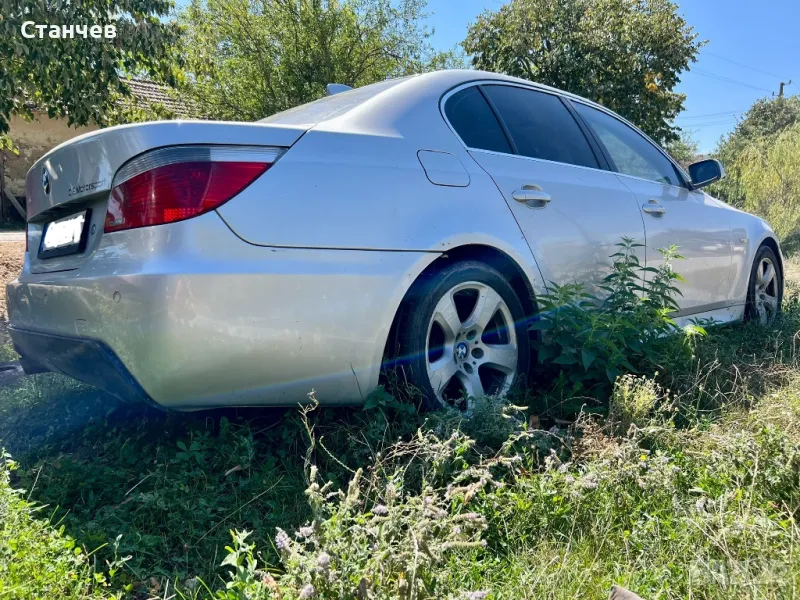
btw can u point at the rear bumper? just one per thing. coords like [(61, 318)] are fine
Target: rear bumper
[(89, 361), (190, 316)]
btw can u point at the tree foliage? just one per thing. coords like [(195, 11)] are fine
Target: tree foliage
[(79, 77), (768, 172), (766, 119), (624, 54), (683, 148), (247, 59)]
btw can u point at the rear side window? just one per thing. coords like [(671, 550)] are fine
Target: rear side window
[(541, 126), (473, 120), (631, 153)]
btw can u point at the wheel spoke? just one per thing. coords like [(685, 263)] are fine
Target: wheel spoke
[(771, 302), (767, 275), (504, 357), (472, 384), (441, 372), (485, 308), (762, 312), (446, 316)]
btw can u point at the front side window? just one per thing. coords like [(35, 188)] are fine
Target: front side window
[(474, 121), (631, 153), (541, 126)]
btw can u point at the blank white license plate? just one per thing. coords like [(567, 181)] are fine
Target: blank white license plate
[(63, 236)]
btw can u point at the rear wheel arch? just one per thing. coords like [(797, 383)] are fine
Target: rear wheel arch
[(489, 255)]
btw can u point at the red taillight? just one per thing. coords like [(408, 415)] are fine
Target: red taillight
[(173, 184)]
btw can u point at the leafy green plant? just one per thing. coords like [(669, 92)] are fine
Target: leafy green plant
[(381, 399), (587, 342)]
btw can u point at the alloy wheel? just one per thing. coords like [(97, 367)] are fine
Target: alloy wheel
[(471, 347), (766, 291)]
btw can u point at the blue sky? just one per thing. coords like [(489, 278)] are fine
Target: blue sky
[(752, 46)]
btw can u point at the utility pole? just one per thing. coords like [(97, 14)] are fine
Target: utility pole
[(2, 186), (780, 93)]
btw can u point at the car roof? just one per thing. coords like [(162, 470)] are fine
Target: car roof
[(470, 75), (337, 105)]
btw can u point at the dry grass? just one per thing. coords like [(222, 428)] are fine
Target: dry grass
[(792, 268)]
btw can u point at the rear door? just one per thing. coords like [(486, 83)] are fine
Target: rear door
[(572, 212), (673, 214)]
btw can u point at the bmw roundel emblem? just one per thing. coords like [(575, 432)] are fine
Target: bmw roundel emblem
[(45, 180)]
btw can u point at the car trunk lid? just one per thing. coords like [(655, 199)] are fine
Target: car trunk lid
[(75, 178)]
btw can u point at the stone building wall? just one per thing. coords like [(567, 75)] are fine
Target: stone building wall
[(34, 139)]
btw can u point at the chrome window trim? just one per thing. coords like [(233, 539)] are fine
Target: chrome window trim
[(677, 187), (647, 138), (541, 160)]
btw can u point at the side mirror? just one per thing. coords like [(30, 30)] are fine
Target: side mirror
[(705, 172)]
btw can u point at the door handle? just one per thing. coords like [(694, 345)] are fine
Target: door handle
[(532, 196), (653, 207)]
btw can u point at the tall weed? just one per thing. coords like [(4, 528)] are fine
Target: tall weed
[(586, 342)]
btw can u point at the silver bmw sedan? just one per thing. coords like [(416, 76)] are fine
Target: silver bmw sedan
[(411, 222)]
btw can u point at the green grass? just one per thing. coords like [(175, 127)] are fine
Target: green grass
[(688, 492), (7, 353), (37, 560)]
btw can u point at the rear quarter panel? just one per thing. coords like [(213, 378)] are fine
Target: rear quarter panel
[(356, 182)]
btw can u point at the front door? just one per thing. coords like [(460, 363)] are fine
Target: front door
[(673, 214)]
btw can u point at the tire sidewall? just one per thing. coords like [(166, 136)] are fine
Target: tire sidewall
[(422, 301), (750, 308)]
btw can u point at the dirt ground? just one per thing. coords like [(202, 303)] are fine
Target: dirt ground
[(11, 258), (792, 268)]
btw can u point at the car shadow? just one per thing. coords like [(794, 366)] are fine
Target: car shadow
[(47, 414), (166, 488)]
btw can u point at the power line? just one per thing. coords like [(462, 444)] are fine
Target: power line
[(704, 123), (717, 124), (719, 114), (712, 121), (709, 124), (728, 80), (738, 64)]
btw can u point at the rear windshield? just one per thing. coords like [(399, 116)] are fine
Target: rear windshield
[(331, 106)]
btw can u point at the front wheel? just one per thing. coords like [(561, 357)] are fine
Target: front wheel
[(765, 290), (462, 335)]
